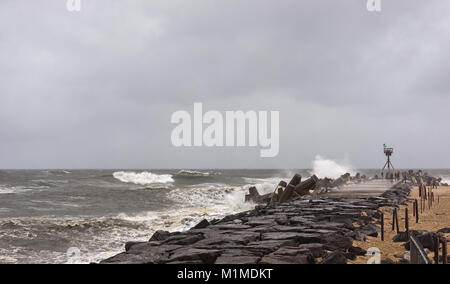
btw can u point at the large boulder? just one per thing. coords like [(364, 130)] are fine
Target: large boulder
[(289, 255), (301, 238), (428, 240), (128, 245), (357, 251), (192, 254), (336, 257), (227, 259), (401, 237), (387, 261), (203, 224), (334, 242), (160, 236), (444, 230), (370, 230), (316, 249)]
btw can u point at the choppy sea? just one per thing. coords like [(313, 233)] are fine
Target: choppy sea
[(83, 216)]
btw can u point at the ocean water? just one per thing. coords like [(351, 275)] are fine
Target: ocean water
[(83, 216)]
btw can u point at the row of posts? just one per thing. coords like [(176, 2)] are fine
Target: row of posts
[(426, 200)]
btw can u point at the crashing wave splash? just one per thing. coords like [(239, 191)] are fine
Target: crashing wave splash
[(329, 168), (143, 178)]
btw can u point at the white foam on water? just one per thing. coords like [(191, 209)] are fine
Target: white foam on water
[(107, 235), (323, 167), (195, 173), (13, 189), (203, 201), (143, 178)]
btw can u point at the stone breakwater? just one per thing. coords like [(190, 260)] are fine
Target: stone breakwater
[(303, 231)]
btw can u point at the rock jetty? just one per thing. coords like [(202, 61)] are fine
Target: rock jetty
[(291, 226)]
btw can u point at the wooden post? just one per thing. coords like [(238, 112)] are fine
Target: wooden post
[(429, 200), (393, 218), (406, 222), (396, 221), (436, 249), (421, 203), (414, 208), (382, 226), (417, 212), (444, 251)]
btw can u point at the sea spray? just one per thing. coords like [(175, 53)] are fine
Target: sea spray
[(323, 167)]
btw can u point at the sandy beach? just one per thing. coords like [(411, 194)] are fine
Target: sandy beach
[(433, 219)]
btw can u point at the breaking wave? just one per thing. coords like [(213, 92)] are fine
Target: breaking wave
[(445, 179), (143, 178), (195, 173), (329, 168), (213, 200)]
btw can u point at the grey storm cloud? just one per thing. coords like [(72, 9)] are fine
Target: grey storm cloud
[(96, 88)]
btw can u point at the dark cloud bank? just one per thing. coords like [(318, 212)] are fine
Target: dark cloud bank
[(96, 89)]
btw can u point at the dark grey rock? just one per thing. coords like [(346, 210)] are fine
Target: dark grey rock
[(302, 238), (357, 251), (370, 230), (316, 249), (237, 237), (297, 229), (334, 242), (124, 258), (189, 240), (270, 245), (160, 236), (193, 254), (236, 227), (203, 224), (350, 255), (387, 261), (336, 257), (427, 240), (288, 255), (225, 259), (128, 245), (400, 237), (358, 236), (444, 230)]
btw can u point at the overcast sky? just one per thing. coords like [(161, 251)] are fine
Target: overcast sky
[(97, 88)]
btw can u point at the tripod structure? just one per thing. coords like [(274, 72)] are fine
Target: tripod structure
[(388, 151)]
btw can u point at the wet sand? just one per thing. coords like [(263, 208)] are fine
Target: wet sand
[(433, 219)]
